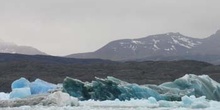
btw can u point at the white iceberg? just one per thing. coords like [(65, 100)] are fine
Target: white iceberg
[(4, 96), (54, 99), (193, 102)]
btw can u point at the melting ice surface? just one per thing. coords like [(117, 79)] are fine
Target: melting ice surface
[(188, 103)]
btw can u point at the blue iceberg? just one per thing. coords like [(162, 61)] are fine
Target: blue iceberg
[(20, 83), (22, 88), (112, 88), (20, 93), (39, 86), (195, 85), (108, 89)]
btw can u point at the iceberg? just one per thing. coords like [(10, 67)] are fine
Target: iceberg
[(195, 85), (58, 99), (39, 92), (107, 89), (188, 92), (22, 88), (20, 83), (4, 96), (39, 86), (112, 88), (193, 102), (20, 93)]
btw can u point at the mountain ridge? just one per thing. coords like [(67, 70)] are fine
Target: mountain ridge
[(8, 47), (164, 45)]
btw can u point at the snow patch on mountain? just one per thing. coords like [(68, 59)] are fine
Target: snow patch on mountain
[(185, 42), (133, 47), (137, 42), (155, 44)]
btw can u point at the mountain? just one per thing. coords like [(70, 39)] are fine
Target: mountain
[(6, 47), (168, 46), (210, 45)]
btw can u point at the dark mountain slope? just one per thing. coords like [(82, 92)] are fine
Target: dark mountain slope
[(4, 57)]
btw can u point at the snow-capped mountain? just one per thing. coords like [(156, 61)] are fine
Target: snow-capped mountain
[(7, 47), (161, 45)]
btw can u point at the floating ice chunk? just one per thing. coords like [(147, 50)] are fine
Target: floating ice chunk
[(200, 104), (4, 96), (39, 86), (20, 83), (164, 103), (194, 102), (60, 99), (187, 101), (152, 100), (22, 87), (20, 92)]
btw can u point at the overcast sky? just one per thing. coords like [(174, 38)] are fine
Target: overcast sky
[(61, 27)]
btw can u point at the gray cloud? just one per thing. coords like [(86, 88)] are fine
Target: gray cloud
[(61, 27)]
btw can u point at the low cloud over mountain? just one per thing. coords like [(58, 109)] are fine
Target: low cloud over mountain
[(6, 47)]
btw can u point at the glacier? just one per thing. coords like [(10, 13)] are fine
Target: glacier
[(112, 88)]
